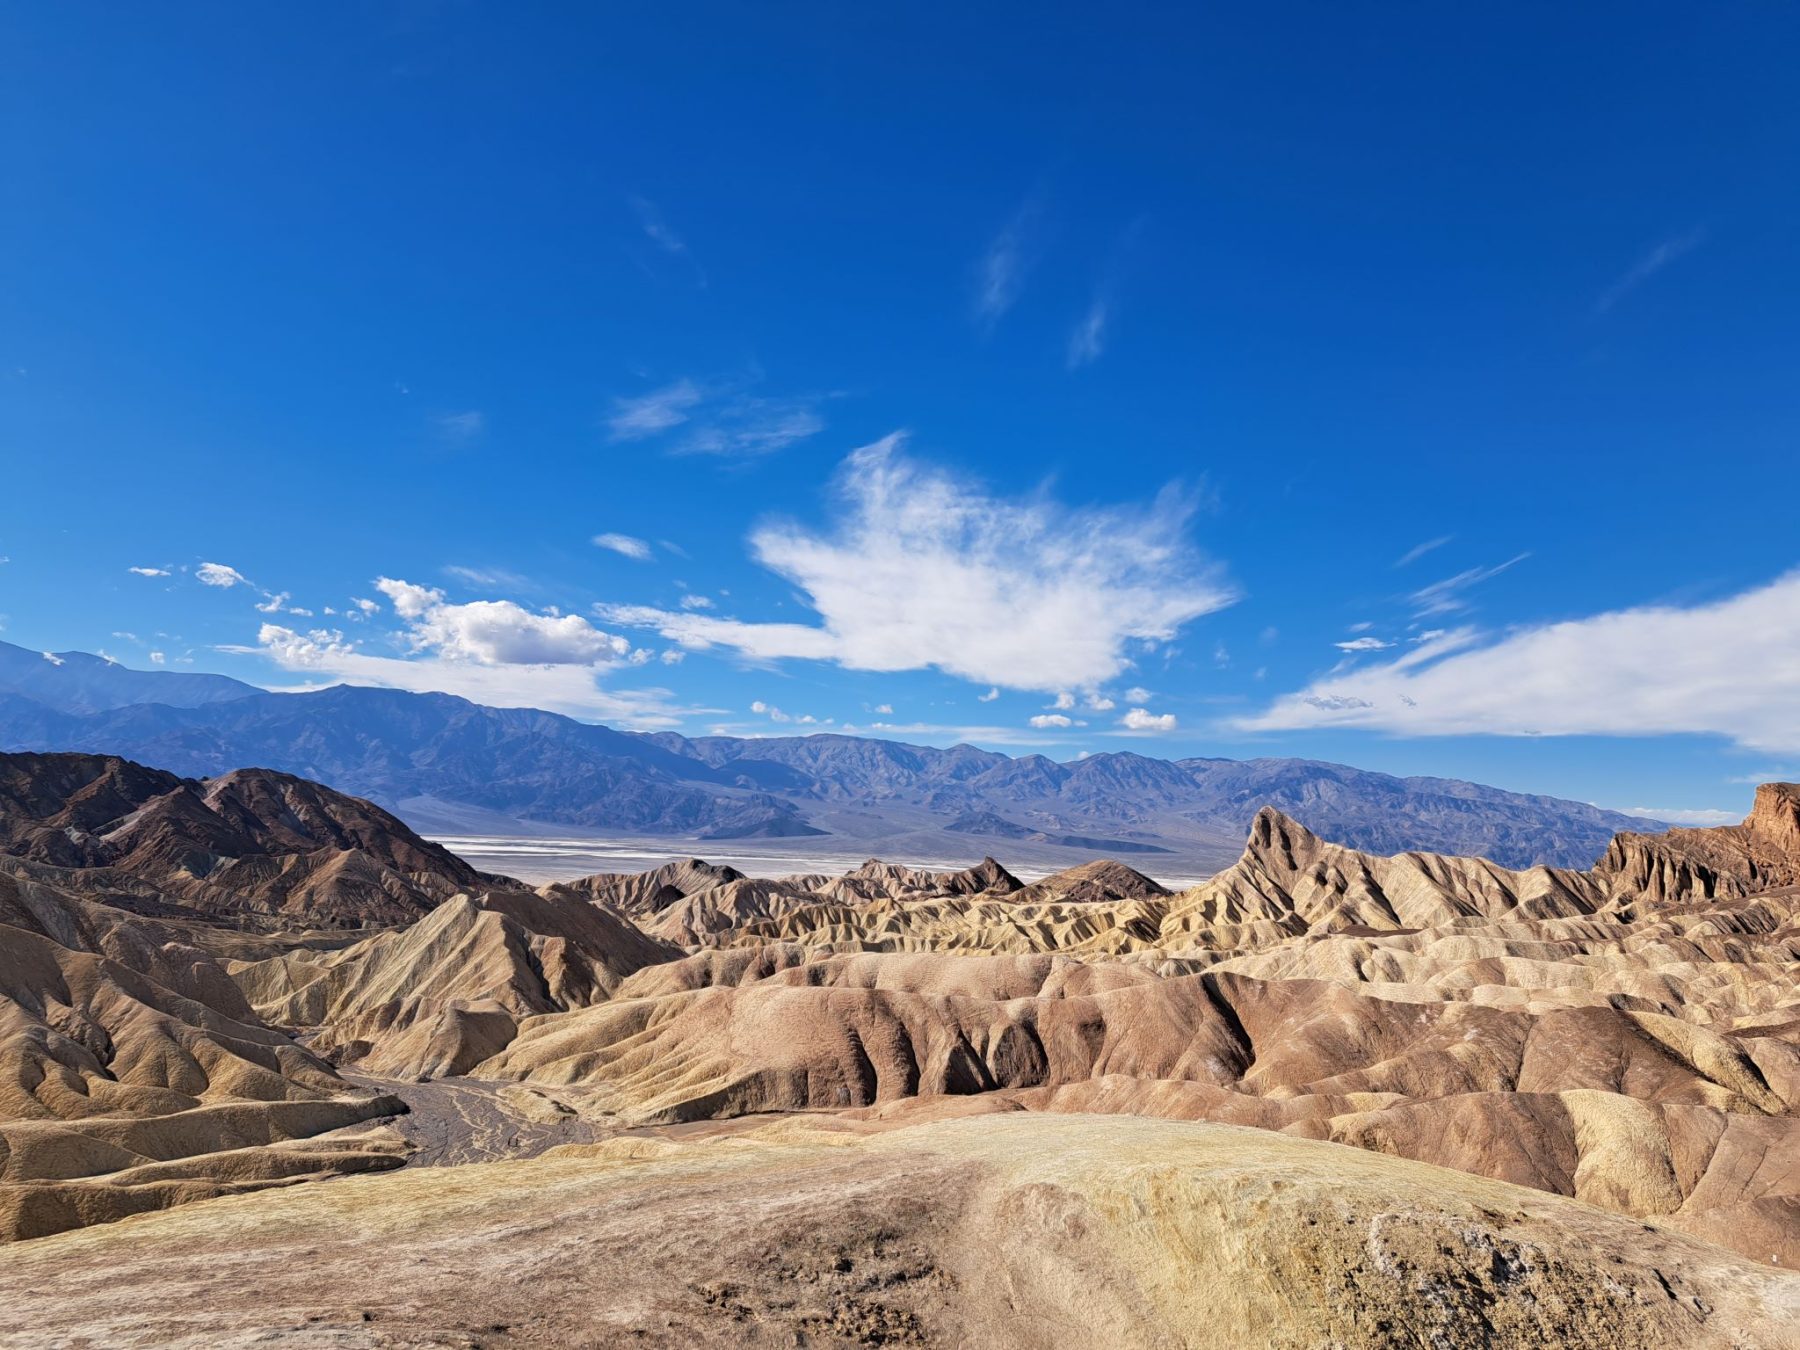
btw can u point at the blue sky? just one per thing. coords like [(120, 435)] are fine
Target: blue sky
[(1417, 388)]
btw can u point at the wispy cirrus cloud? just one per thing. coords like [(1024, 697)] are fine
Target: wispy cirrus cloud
[(1417, 551), (460, 427), (1000, 272), (625, 545), (1447, 596), (660, 233), (1652, 262), (487, 578), (1087, 340), (724, 418), (1728, 668), (925, 569), (643, 415)]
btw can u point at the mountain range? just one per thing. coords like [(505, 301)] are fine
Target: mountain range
[(448, 765)]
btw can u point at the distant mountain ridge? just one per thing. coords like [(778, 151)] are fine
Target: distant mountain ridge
[(422, 754)]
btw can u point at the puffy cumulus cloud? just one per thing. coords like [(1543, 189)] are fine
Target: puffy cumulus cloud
[(218, 574), (774, 714), (924, 569), (1044, 721), (624, 545), (1143, 720), (1727, 668), (499, 632), (492, 651), (329, 657), (409, 601)]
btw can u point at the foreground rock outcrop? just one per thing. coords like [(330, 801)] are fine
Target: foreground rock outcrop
[(1005, 1230)]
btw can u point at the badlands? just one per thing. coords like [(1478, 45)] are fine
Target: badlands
[(273, 1068)]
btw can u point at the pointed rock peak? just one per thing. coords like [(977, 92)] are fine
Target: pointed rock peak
[(986, 875), (1775, 817), (1273, 829), (1102, 879)]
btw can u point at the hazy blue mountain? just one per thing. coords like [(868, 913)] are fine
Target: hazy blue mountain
[(429, 756), (79, 682)]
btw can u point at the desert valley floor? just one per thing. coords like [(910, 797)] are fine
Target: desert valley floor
[(275, 1069)]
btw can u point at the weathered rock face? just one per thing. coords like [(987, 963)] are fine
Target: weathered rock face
[(133, 1074), (447, 992), (1762, 854), (251, 846)]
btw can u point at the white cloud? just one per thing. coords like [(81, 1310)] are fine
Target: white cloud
[(1446, 596), (1728, 668), (1684, 816), (1648, 266), (1044, 720), (656, 229), (1098, 703), (564, 688), (1417, 551), (218, 574), (462, 426), (1363, 644), (1087, 340), (722, 417), (156, 658), (409, 601), (1000, 275), (52, 658), (365, 607), (696, 602), (487, 578), (774, 714), (1138, 694), (754, 426), (673, 656), (1064, 701), (1141, 719), (272, 603), (498, 632), (148, 571), (923, 569), (649, 414), (624, 545), (988, 697)]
